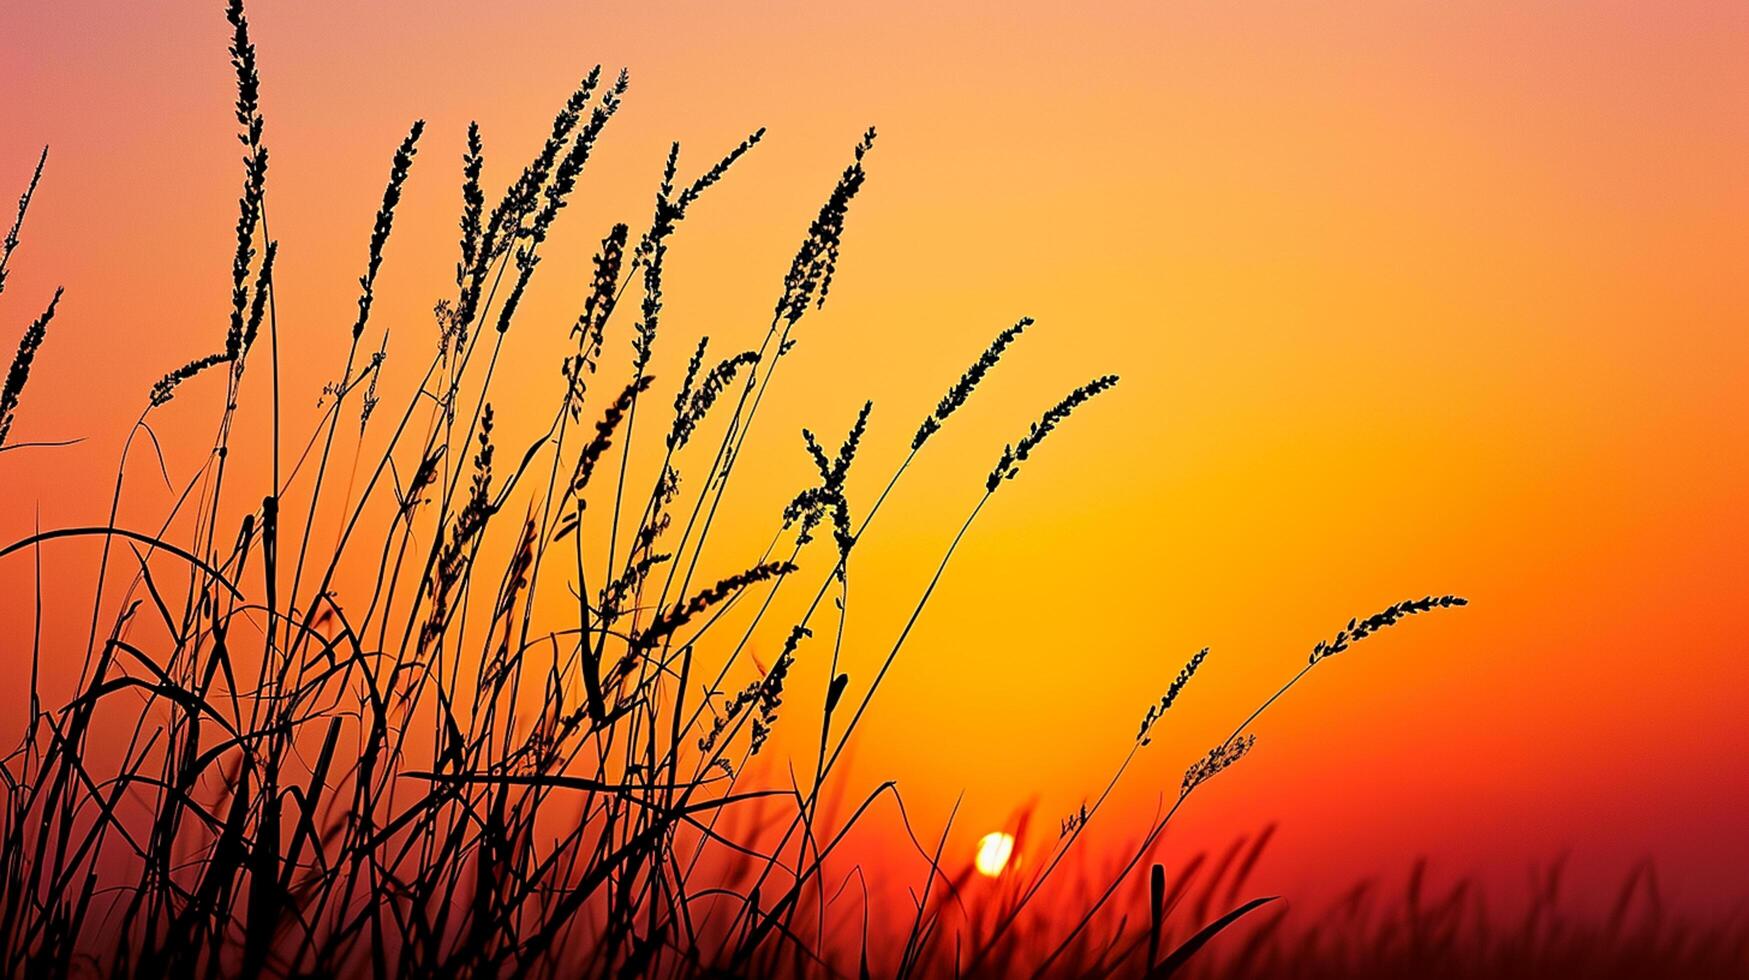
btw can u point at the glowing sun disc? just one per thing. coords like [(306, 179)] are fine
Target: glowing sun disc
[(994, 850)]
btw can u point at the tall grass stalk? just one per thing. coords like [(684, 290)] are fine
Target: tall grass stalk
[(385, 756)]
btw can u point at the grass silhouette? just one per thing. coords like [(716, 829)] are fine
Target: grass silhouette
[(1427, 930), (429, 778)]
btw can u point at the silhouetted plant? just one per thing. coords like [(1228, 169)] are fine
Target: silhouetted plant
[(19, 373), (432, 773)]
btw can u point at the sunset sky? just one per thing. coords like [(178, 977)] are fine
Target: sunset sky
[(1406, 298)]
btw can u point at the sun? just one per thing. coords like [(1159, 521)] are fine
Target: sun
[(994, 850)]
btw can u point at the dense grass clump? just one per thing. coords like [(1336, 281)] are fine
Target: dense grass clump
[(425, 776)]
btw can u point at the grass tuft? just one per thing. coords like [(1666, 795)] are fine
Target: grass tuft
[(503, 724)]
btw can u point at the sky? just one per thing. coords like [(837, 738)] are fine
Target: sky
[(1406, 298)]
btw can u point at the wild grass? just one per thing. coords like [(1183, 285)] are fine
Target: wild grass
[(1420, 928), (432, 776), (19, 374)]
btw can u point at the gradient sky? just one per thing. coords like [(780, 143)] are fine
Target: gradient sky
[(1407, 298)]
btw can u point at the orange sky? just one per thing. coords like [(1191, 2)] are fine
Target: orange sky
[(1406, 298)]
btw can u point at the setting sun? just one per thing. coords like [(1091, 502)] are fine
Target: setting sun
[(994, 850)]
